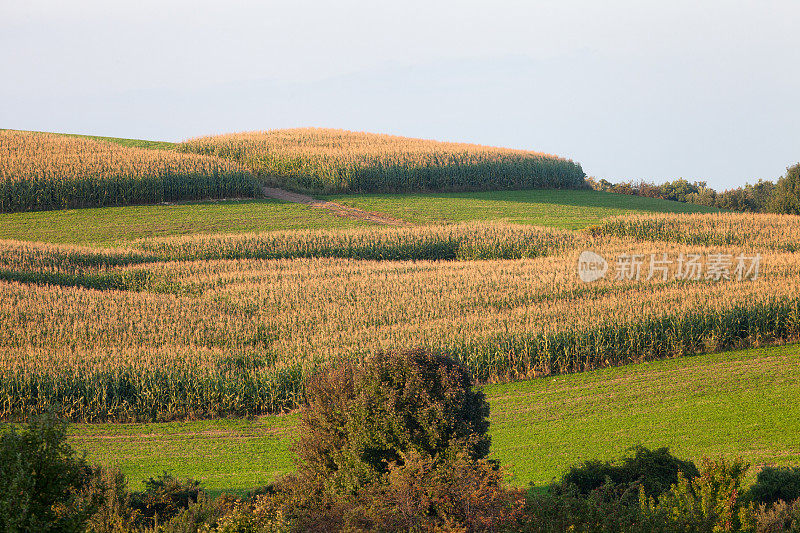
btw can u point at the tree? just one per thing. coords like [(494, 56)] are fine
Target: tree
[(41, 480), (396, 443), (787, 191), (359, 419)]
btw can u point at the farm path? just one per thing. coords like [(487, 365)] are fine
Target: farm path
[(337, 209)]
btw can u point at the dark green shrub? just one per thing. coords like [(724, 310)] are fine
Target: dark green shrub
[(774, 484), (655, 470), (164, 497), (610, 508), (41, 480), (359, 419), (711, 502), (396, 443), (591, 475)]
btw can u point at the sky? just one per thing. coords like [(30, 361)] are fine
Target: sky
[(706, 90)]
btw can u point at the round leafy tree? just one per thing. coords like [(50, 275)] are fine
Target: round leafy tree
[(361, 418), (788, 191)]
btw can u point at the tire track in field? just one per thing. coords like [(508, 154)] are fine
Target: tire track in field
[(337, 209)]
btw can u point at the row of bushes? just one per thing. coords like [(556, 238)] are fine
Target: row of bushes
[(47, 488), (398, 443), (762, 197)]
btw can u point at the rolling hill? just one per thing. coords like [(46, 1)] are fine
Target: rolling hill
[(325, 160)]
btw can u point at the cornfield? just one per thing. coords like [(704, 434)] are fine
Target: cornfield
[(459, 241), (772, 232), (326, 160), (40, 171), (220, 325)]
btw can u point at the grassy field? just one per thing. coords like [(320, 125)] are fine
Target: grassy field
[(735, 403), (105, 226), (555, 208), (571, 209)]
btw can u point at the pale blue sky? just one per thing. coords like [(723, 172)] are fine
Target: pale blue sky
[(705, 90)]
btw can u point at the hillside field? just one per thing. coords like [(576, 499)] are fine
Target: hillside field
[(178, 335), (504, 299), (45, 171), (570, 209), (48, 171), (109, 225), (322, 160), (743, 403), (541, 207)]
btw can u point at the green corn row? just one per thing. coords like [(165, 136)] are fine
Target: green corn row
[(506, 358)]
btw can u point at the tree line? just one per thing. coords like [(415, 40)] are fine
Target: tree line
[(781, 196)]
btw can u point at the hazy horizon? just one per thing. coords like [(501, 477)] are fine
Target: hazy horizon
[(631, 90)]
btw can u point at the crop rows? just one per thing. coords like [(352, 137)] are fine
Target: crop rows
[(772, 232), (326, 160), (238, 335), (455, 242), (40, 171), (469, 241)]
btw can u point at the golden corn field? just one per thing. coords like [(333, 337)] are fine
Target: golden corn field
[(40, 171), (773, 232), (328, 160), (192, 327)]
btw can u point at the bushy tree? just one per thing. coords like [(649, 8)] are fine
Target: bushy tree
[(654, 470), (41, 480), (164, 497), (360, 418), (396, 443), (711, 502), (776, 484), (787, 192)]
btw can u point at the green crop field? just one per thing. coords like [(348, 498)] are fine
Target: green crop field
[(555, 208), (734, 403), (230, 325), (110, 225), (572, 209)]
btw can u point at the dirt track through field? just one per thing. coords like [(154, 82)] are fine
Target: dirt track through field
[(333, 207)]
